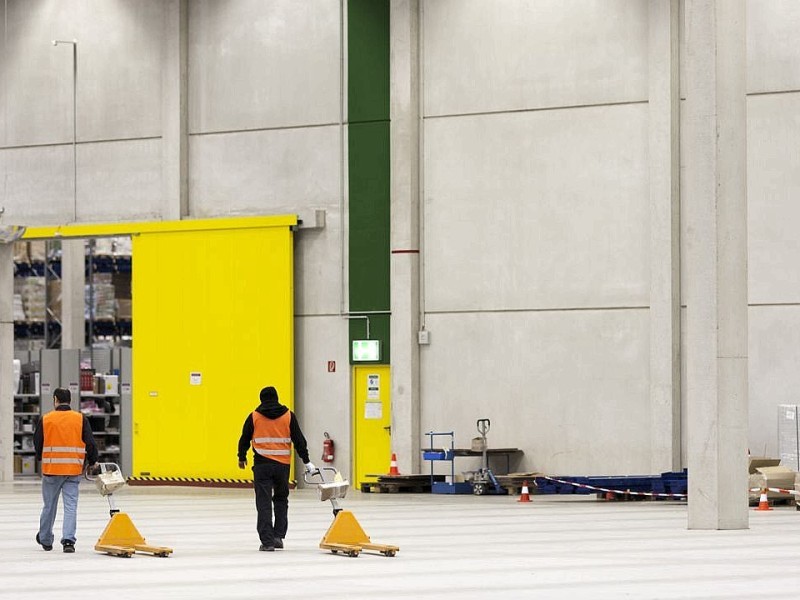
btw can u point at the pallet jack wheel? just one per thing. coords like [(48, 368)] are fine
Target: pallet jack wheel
[(353, 553), (388, 553), (479, 489)]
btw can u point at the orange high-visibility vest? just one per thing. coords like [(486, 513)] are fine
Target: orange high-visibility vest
[(271, 437), (63, 451)]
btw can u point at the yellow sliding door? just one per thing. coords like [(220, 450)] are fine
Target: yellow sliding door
[(212, 325)]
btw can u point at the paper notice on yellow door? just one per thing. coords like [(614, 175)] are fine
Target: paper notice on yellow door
[(373, 410)]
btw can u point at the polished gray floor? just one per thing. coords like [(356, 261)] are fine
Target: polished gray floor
[(450, 547)]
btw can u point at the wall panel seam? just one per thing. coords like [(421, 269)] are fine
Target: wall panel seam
[(530, 110)]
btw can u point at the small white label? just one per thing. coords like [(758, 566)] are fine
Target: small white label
[(195, 378), (74, 389), (790, 415), (125, 388), (47, 389), (373, 410)]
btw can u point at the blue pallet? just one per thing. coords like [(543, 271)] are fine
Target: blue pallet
[(442, 487), (666, 483)]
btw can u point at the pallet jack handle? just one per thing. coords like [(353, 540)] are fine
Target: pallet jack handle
[(91, 473), (309, 479), (483, 426)]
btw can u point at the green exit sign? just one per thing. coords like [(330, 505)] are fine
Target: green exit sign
[(366, 350)]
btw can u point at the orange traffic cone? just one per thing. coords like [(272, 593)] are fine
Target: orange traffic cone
[(393, 465), (523, 496), (763, 502)]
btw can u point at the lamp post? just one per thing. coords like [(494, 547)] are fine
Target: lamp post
[(74, 44)]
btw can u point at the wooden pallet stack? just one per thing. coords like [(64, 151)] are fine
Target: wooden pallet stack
[(393, 484)]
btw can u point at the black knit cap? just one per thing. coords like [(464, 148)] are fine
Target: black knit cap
[(269, 395)]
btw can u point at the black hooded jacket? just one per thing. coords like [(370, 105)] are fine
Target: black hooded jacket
[(272, 409)]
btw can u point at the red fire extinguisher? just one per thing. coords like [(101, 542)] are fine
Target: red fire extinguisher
[(327, 449)]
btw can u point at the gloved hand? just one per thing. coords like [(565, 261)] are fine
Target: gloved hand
[(311, 469)]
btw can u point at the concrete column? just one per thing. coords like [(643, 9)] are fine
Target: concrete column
[(665, 264), (6, 362), (73, 297), (175, 110), (716, 206), (404, 147)]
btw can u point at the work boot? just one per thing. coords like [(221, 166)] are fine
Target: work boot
[(69, 546), (279, 543), (46, 547), (264, 548)]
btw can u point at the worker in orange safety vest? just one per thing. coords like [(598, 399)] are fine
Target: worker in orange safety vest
[(271, 430), (63, 442)]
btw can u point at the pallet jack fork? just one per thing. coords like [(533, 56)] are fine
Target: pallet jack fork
[(120, 537), (345, 534)]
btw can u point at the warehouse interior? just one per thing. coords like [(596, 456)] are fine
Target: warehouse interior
[(574, 220)]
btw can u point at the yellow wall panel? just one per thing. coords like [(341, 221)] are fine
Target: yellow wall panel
[(218, 303)]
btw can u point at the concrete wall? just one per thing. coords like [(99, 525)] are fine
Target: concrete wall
[(264, 104), (535, 254), (773, 182), (773, 186), (536, 220), (118, 110)]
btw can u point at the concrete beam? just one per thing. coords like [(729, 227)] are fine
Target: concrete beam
[(405, 242), (6, 362), (73, 297), (175, 110), (665, 280), (716, 187)]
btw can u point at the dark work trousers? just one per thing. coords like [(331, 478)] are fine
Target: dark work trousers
[(271, 482)]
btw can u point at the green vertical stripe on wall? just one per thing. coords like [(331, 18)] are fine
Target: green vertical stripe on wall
[(368, 60), (368, 164)]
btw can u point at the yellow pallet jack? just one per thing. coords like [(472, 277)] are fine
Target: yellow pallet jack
[(120, 537), (345, 534)]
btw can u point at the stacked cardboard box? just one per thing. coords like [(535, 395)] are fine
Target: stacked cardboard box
[(100, 296), (769, 473), (21, 252), (31, 292), (122, 246), (19, 309), (37, 250)]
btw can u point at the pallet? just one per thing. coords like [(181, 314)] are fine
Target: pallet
[(513, 482), (394, 484)]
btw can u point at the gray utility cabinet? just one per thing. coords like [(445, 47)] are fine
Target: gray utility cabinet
[(40, 373)]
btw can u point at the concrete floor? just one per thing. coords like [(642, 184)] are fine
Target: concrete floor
[(450, 547)]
